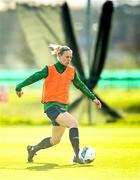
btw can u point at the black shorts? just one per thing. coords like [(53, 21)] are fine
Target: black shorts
[(52, 112)]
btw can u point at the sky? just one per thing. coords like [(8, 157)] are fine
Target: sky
[(79, 3), (74, 4)]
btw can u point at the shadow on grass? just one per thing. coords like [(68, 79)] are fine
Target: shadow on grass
[(45, 166), (49, 166)]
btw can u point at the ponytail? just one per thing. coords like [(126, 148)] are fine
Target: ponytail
[(57, 49)]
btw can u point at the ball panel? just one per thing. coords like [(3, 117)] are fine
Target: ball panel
[(87, 154)]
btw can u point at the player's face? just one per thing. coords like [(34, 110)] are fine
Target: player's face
[(66, 57)]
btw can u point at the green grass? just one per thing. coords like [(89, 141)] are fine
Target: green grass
[(117, 148), (29, 110)]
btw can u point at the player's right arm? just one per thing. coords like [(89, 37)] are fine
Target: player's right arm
[(31, 79)]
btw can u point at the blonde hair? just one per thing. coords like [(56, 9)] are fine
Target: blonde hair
[(57, 49)]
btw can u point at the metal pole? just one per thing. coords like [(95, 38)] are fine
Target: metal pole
[(88, 33), (88, 19)]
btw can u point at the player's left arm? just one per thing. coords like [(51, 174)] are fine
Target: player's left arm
[(85, 90)]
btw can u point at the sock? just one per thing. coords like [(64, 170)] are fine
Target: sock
[(74, 139), (45, 143)]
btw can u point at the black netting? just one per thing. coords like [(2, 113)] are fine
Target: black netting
[(52, 24)]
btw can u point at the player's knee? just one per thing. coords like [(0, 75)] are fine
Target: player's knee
[(74, 124)]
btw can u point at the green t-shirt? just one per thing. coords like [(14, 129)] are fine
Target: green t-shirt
[(42, 74)]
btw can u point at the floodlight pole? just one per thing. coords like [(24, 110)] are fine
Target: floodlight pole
[(88, 33), (88, 19)]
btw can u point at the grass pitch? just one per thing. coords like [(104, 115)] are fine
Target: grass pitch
[(117, 148)]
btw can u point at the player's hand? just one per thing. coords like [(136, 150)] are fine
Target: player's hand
[(19, 93), (97, 103)]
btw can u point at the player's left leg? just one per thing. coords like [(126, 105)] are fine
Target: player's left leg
[(67, 120), (57, 133)]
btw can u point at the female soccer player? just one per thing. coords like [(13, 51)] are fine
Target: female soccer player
[(57, 78)]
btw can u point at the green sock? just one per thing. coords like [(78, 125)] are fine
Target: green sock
[(74, 139), (45, 143)]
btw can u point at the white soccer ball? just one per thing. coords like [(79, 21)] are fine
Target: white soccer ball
[(87, 154)]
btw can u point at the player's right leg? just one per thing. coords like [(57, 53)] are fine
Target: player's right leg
[(57, 133), (45, 143)]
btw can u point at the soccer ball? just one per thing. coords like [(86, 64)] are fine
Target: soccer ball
[(87, 154)]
